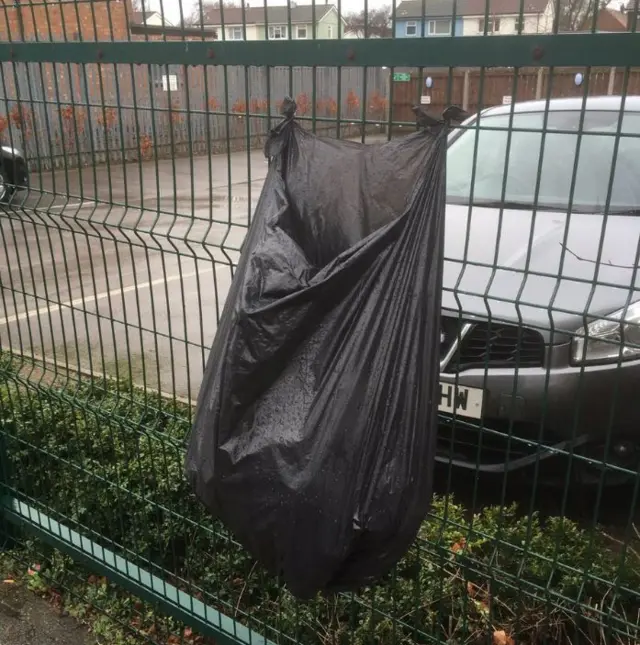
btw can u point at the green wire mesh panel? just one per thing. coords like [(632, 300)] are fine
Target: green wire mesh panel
[(131, 164)]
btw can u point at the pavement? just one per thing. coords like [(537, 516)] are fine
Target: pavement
[(124, 269), (27, 619)]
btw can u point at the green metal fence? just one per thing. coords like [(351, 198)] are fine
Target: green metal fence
[(143, 151)]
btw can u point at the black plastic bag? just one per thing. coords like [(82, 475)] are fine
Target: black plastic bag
[(314, 435)]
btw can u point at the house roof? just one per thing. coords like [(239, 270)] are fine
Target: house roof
[(617, 16), (608, 20), (255, 15), (142, 16), (414, 8)]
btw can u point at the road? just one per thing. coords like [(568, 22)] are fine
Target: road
[(27, 619), (124, 269)]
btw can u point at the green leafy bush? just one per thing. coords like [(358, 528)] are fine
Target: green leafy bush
[(108, 458)]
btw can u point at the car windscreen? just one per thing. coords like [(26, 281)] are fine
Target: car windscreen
[(557, 151)]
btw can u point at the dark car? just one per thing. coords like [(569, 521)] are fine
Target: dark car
[(13, 172), (541, 305)]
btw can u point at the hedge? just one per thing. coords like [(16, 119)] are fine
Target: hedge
[(108, 458)]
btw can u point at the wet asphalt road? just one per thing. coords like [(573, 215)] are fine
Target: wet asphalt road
[(124, 269)]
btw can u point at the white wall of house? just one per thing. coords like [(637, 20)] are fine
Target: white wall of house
[(257, 32), (533, 24), (154, 19), (235, 32), (546, 19), (299, 31), (302, 32)]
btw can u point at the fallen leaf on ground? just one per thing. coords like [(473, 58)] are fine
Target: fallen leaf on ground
[(500, 637)]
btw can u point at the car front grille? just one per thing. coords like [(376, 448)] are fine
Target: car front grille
[(490, 345)]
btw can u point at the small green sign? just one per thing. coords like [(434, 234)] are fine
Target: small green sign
[(401, 76)]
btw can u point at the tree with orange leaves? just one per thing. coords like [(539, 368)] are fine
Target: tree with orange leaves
[(353, 104), (239, 108), (108, 117), (21, 118), (303, 104), (377, 105), (146, 145)]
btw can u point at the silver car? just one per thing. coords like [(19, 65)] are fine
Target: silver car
[(540, 337)]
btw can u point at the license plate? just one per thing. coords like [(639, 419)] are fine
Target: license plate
[(464, 401)]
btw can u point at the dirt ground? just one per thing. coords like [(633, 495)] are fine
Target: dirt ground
[(26, 619)]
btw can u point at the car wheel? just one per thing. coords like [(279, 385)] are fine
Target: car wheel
[(6, 189)]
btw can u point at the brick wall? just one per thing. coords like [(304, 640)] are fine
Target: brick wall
[(59, 21)]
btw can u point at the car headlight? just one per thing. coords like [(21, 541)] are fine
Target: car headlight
[(609, 340)]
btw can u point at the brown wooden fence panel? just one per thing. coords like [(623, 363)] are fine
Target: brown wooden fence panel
[(498, 86)]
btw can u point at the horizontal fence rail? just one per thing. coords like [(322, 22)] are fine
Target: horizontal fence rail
[(576, 49), (142, 144)]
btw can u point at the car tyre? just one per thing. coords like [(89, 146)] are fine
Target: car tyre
[(6, 189)]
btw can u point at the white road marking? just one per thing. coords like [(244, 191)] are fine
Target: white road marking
[(56, 207), (50, 308), (97, 205)]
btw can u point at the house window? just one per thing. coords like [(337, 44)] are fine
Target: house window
[(329, 31), (493, 25), (412, 29), (234, 33), (302, 32), (277, 32), (519, 25), (439, 27)]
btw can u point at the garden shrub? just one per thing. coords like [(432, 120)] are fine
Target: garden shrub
[(107, 458)]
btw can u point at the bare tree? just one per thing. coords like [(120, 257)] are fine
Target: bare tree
[(576, 15), (377, 21)]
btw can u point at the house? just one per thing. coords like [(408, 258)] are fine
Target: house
[(251, 23), (609, 20), (150, 19), (504, 18)]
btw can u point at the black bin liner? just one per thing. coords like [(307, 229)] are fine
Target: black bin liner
[(314, 435)]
